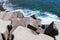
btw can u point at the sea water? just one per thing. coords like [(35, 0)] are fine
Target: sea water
[(46, 10)]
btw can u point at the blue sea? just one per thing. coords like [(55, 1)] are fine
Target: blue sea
[(46, 10)]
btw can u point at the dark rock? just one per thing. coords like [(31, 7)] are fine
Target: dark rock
[(51, 31), (33, 16), (3, 37), (43, 26), (9, 27), (31, 27), (1, 8)]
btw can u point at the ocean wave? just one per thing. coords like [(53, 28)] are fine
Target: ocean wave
[(6, 5), (46, 17)]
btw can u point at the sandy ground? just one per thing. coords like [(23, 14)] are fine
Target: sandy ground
[(23, 33)]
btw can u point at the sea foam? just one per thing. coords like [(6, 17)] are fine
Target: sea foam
[(46, 17)]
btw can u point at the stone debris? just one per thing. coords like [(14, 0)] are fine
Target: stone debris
[(24, 28)]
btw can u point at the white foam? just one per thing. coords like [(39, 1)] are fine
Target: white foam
[(27, 12), (45, 19), (49, 18), (51, 15), (6, 5), (8, 8)]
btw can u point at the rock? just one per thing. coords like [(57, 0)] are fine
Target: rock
[(23, 33), (1, 8)]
